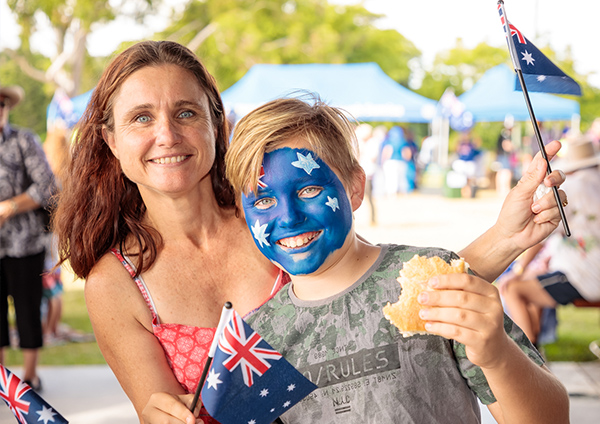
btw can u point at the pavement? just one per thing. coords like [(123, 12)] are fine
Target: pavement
[(91, 394)]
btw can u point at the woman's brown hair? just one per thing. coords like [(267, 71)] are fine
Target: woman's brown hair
[(99, 207)]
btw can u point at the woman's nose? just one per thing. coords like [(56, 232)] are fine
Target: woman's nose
[(167, 134)]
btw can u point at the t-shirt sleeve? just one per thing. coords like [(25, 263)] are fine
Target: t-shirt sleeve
[(474, 375)]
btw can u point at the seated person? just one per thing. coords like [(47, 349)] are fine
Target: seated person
[(573, 262), (300, 182)]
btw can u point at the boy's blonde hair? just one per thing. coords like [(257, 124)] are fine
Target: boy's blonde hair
[(326, 130)]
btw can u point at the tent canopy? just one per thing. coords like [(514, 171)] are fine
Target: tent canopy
[(362, 89), (493, 97)]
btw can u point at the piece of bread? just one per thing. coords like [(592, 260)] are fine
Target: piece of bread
[(414, 276)]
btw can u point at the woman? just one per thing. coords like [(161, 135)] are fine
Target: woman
[(147, 182)]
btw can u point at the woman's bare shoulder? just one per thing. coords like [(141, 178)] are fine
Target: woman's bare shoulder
[(109, 289)]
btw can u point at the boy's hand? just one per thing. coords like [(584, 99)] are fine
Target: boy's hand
[(521, 219), (467, 309), (168, 408)]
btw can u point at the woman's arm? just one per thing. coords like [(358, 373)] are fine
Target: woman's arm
[(522, 223), (122, 325)]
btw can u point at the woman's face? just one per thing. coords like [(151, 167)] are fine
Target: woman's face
[(300, 214), (163, 137)]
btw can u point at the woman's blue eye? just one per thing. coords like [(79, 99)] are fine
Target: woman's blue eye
[(143, 119), (186, 114)]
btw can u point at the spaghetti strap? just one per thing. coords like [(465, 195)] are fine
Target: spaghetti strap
[(139, 282)]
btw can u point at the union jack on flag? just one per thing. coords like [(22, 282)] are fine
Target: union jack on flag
[(27, 406), (539, 72), (244, 350), (249, 381)]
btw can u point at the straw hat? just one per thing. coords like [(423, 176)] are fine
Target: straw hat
[(13, 93), (581, 153)]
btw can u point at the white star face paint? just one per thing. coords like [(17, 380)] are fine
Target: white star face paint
[(300, 213)]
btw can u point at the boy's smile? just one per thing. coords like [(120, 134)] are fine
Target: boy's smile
[(300, 213)]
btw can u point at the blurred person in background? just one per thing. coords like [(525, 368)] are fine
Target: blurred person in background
[(395, 167), (467, 163), (26, 186), (410, 152), (368, 156), (507, 161), (573, 263), (57, 149)]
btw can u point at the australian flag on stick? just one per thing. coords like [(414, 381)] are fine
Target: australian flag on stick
[(249, 382), (27, 406), (539, 73)]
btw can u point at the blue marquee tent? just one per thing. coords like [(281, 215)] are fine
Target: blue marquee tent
[(362, 89), (493, 97)]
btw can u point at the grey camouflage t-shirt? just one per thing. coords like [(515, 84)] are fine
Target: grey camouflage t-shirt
[(365, 370)]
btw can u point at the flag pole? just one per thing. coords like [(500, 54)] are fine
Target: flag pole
[(515, 60), (225, 316)]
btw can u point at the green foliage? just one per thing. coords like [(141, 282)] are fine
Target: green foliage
[(244, 33), (31, 112)]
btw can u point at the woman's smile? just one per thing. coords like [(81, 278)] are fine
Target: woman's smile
[(170, 159)]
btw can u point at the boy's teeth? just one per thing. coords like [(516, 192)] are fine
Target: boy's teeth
[(171, 159), (299, 241)]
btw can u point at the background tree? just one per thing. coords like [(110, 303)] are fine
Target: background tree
[(71, 22), (232, 35)]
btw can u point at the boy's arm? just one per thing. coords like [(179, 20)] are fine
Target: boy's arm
[(522, 223), (467, 309), (525, 392)]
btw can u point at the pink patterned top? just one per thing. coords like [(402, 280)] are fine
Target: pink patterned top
[(186, 347)]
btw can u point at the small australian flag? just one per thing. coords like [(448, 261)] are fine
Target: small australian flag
[(539, 72), (249, 382), (27, 406)]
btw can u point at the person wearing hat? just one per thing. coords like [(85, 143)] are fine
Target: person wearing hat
[(572, 268), (26, 186)]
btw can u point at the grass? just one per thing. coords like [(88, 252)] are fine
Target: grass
[(75, 316), (577, 328)]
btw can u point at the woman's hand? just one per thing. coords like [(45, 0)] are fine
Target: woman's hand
[(165, 408), (467, 309)]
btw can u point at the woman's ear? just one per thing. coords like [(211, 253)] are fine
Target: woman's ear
[(357, 190), (109, 139)]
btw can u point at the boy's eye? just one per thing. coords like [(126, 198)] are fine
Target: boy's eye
[(264, 203), (186, 114), (310, 192)]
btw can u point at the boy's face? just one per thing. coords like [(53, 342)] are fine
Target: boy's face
[(300, 213)]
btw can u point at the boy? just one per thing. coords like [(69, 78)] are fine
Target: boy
[(295, 165)]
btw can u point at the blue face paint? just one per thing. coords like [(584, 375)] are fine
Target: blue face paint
[(300, 213)]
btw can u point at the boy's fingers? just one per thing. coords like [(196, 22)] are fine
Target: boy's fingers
[(463, 281)]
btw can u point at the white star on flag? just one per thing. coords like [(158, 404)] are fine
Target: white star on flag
[(264, 392), (213, 379), (286, 404), (306, 162), (541, 78), (527, 58), (332, 203), (291, 387), (260, 234), (46, 414)]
